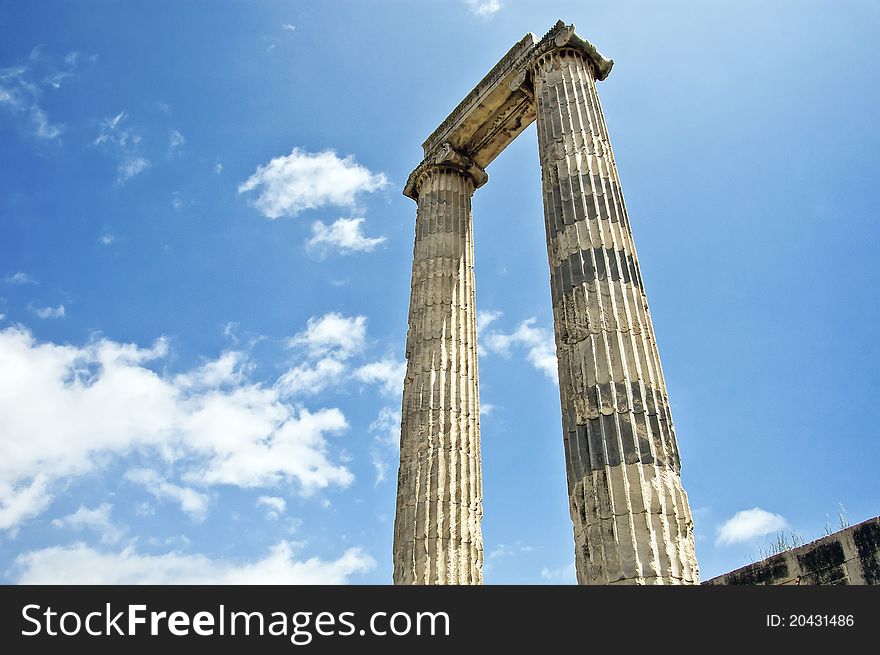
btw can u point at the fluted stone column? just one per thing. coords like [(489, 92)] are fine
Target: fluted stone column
[(632, 523), (437, 536)]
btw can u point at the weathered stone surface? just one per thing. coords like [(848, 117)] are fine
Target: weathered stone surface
[(632, 522), (848, 557), (437, 537)]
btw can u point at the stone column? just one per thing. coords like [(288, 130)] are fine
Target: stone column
[(632, 523), (437, 536)]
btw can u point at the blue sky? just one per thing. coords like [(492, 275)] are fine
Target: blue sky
[(205, 260)]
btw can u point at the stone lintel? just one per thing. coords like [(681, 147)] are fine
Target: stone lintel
[(502, 105), (494, 113)]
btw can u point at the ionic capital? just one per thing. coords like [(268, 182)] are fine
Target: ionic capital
[(564, 36), (444, 157)]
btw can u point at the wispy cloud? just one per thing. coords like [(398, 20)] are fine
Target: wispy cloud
[(115, 135), (485, 318), (176, 140), (562, 575), (19, 278), (749, 524), (82, 564), (22, 89), (50, 312), (386, 441), (97, 519), (274, 506), (191, 502), (506, 550), (302, 180), (483, 8), (131, 166), (112, 131)]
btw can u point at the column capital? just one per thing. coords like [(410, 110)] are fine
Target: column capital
[(444, 157), (564, 36)]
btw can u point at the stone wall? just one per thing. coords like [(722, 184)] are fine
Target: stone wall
[(848, 557)]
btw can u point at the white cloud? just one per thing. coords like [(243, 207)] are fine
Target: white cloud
[(332, 333), (486, 318), (486, 408), (228, 369), (309, 378), (504, 550), (288, 27), (107, 239), (124, 143), (8, 98), (21, 91), (483, 8), (344, 235), (22, 499), (175, 140), (218, 168), (538, 342), (66, 411), (229, 332), (81, 564), (748, 524), (329, 342), (42, 127), (563, 575), (19, 278), (380, 464), (266, 445), (386, 429), (301, 180), (388, 373), (112, 132), (50, 312), (191, 502), (97, 519), (131, 166), (275, 506)]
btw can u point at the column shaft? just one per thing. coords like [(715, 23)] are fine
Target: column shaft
[(437, 537), (632, 522)]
